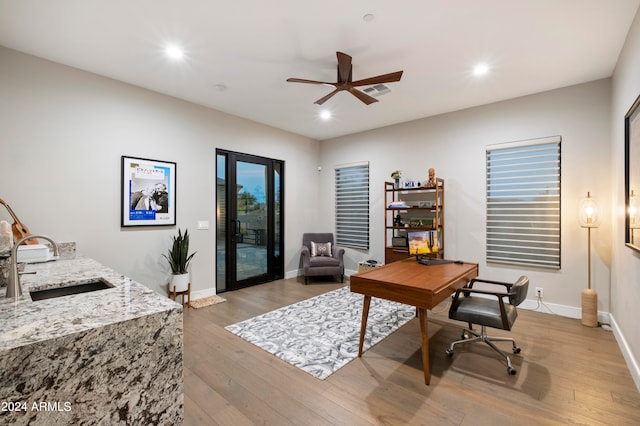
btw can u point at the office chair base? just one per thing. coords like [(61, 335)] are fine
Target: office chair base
[(482, 337)]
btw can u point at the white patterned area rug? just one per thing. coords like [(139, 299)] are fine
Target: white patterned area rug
[(321, 334)]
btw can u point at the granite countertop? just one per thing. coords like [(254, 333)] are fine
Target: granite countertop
[(23, 321)]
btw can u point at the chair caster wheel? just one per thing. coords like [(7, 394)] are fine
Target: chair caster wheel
[(463, 336), (448, 353), (516, 350), (511, 371)]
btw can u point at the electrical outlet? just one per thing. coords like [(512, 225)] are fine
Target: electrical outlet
[(539, 292)]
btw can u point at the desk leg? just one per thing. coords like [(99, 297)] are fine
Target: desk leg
[(422, 317), (363, 324)]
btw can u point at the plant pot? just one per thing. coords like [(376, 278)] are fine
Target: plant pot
[(180, 282)]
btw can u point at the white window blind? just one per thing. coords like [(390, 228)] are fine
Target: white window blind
[(523, 203), (352, 206)]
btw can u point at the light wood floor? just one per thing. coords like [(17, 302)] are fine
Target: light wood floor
[(567, 374)]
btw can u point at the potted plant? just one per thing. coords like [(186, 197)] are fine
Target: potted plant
[(396, 178), (179, 260)]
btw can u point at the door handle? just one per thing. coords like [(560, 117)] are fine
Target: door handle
[(235, 228)]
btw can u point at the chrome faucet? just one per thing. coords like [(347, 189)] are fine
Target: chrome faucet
[(13, 286)]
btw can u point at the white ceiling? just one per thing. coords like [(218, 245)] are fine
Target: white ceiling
[(253, 46)]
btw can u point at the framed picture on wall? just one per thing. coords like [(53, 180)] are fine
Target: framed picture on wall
[(148, 192), (632, 175)]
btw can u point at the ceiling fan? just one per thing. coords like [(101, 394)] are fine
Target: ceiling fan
[(344, 81)]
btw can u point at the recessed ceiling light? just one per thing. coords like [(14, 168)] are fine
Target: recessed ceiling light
[(368, 17), (480, 69), (220, 87), (325, 115), (174, 52)]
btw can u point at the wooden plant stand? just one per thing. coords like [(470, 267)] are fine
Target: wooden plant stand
[(174, 294)]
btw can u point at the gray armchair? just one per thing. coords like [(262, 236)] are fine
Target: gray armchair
[(470, 306), (320, 262)]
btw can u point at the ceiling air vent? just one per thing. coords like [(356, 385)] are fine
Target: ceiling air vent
[(377, 90)]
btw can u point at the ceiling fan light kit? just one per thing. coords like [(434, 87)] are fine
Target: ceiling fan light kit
[(345, 82)]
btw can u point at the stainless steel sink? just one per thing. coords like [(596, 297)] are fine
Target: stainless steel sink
[(84, 287)]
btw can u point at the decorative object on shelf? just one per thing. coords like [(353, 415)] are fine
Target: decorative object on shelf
[(399, 241), (421, 222), (179, 260), (431, 182), (410, 183), (396, 178), (632, 175), (398, 205), (588, 217), (148, 192)]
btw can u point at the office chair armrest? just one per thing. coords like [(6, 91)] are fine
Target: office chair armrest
[(480, 280), (480, 291)]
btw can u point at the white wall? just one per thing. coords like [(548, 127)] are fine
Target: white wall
[(454, 144), (625, 270), (63, 131)]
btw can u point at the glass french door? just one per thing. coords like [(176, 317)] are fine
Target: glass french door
[(249, 242)]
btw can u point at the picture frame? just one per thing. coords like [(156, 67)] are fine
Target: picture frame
[(632, 175), (148, 192)]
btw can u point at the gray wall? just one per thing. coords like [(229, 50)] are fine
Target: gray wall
[(589, 117), (454, 144), (625, 263), (63, 131)]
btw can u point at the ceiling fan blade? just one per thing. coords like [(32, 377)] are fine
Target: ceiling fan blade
[(344, 66), (326, 98), (385, 78), (362, 96), (301, 80)]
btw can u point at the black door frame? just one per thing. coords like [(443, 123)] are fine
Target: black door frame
[(275, 254)]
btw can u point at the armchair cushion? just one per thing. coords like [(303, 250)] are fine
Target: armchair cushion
[(320, 249)]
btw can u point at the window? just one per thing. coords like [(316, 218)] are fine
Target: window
[(352, 206), (523, 203)]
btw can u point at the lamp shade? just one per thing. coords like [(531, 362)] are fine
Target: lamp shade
[(588, 212), (634, 211)]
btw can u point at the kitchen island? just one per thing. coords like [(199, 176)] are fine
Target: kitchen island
[(111, 356)]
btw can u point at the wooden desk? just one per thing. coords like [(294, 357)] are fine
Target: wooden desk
[(411, 283)]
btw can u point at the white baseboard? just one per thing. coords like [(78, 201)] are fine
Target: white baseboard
[(201, 294), (629, 357), (561, 310)]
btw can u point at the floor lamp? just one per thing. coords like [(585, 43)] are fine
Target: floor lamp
[(589, 219)]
